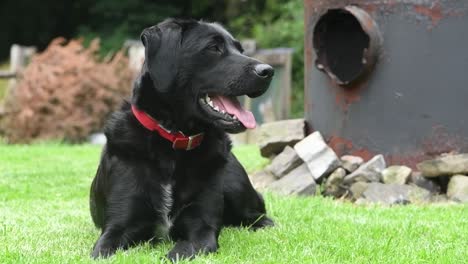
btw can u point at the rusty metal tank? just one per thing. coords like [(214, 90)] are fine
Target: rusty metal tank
[(388, 76)]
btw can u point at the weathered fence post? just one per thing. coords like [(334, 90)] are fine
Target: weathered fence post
[(20, 56)]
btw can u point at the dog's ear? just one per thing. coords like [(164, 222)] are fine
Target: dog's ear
[(161, 57)]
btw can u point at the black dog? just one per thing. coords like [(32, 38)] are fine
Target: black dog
[(154, 178)]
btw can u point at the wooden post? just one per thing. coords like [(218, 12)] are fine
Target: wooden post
[(7, 74), (20, 56)]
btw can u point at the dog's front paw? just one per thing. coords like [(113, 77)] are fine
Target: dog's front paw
[(263, 222), (188, 250), (102, 252), (104, 248), (182, 250)]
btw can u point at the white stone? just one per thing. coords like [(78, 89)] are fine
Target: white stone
[(261, 180), (274, 136), (298, 181), (351, 163), (333, 183), (391, 194), (445, 166), (396, 174), (285, 162), (319, 157), (368, 172), (457, 189)]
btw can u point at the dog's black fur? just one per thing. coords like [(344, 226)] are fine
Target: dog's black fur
[(142, 183)]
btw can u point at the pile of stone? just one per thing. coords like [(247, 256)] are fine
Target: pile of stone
[(306, 165)]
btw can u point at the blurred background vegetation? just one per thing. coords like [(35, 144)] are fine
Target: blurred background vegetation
[(273, 23)]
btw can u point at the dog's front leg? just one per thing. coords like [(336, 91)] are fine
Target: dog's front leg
[(135, 208), (197, 226)]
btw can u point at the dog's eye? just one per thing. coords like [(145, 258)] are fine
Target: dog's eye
[(215, 48)]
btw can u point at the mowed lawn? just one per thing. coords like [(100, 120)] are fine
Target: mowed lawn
[(44, 218)]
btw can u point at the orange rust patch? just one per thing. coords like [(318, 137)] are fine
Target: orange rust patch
[(363, 153), (345, 96), (406, 160), (434, 12), (344, 146), (339, 144)]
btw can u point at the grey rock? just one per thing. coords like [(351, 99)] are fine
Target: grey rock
[(362, 201), (285, 162), (457, 189), (368, 172), (351, 163), (320, 158), (445, 165), (261, 180), (358, 188), (298, 181), (440, 198), (390, 194), (417, 179), (396, 174), (97, 139), (274, 136), (333, 183)]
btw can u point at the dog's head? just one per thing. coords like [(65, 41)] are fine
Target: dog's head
[(198, 69)]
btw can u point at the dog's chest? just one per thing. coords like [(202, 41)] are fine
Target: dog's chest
[(165, 207)]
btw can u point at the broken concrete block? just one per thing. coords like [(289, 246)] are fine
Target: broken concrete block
[(298, 181), (285, 162), (320, 158), (351, 163), (333, 183), (368, 172), (390, 194), (457, 189), (445, 165), (396, 174), (274, 136), (261, 180)]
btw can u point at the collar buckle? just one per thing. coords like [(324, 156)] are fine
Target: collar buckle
[(188, 143)]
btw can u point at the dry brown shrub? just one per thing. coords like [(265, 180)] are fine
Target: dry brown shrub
[(65, 93)]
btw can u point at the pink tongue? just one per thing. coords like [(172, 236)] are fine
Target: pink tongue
[(233, 107)]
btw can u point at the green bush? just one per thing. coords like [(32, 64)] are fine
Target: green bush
[(116, 21), (279, 24)]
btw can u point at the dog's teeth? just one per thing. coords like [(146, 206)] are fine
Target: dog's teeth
[(223, 112), (234, 117), (216, 108), (210, 103)]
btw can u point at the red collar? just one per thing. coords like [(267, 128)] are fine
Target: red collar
[(178, 139)]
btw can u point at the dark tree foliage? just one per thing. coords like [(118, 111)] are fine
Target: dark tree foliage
[(30, 22), (33, 22)]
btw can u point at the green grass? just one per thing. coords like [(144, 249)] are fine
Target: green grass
[(44, 218)]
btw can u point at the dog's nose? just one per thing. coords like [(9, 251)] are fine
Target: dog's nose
[(264, 70)]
